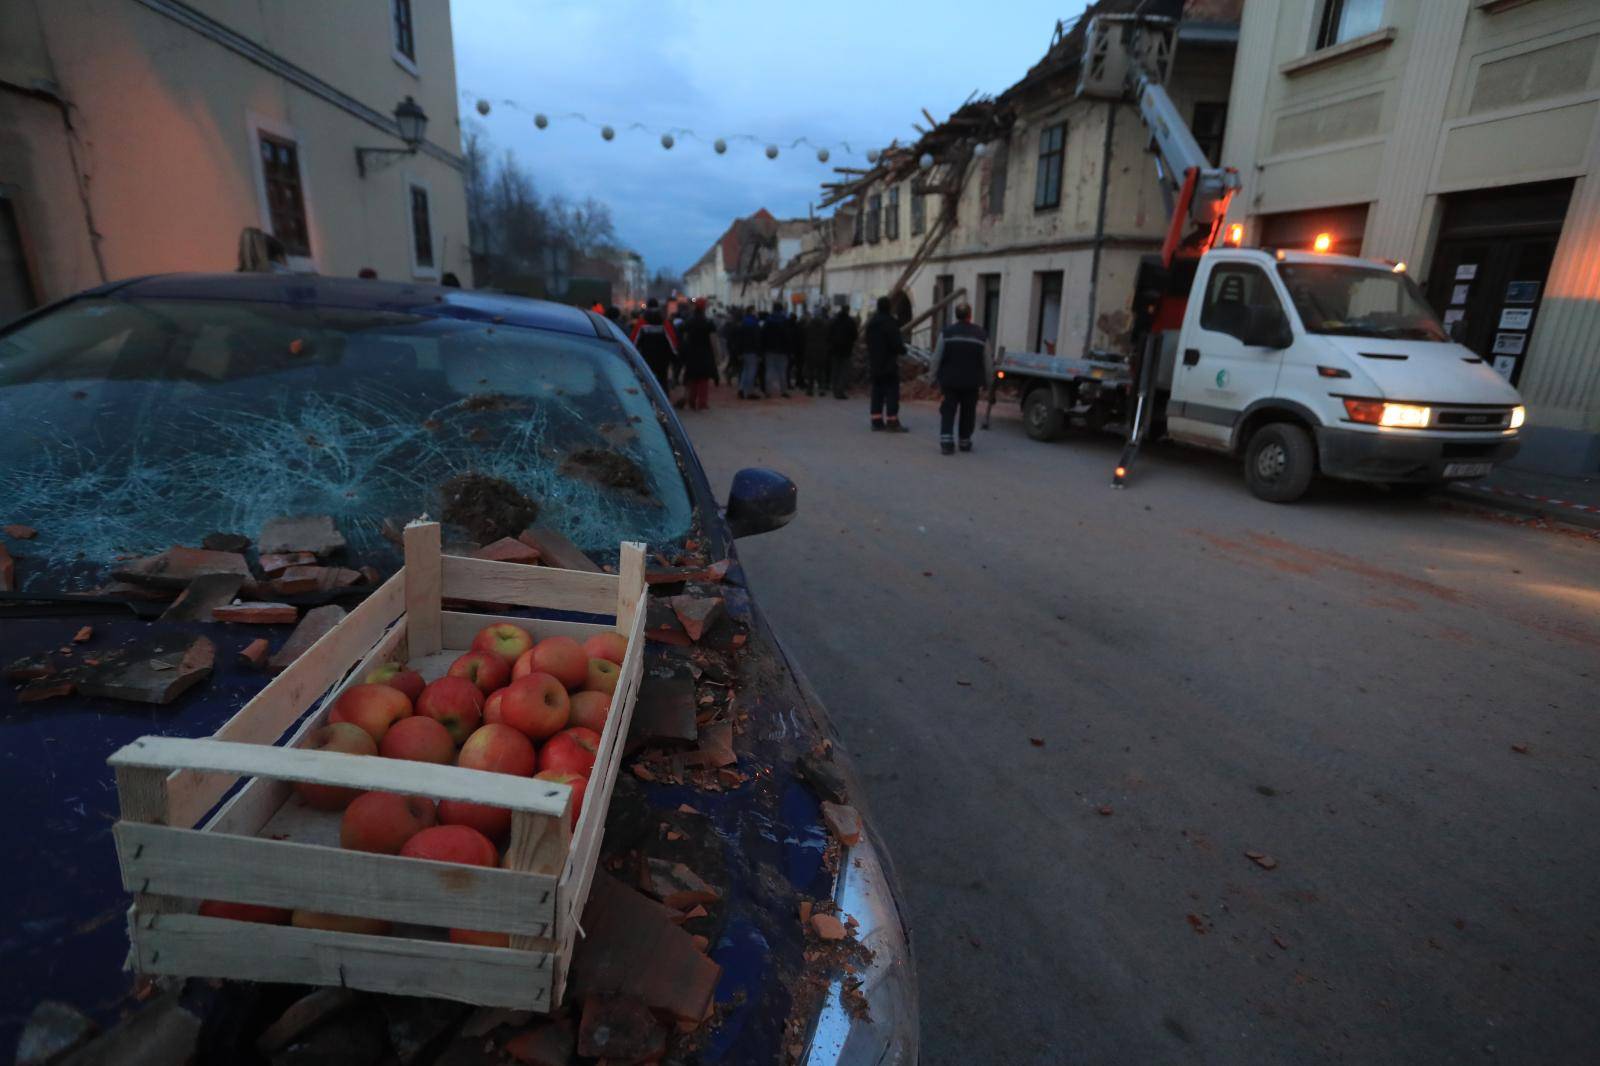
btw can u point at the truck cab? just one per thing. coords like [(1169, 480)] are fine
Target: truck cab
[(1301, 362)]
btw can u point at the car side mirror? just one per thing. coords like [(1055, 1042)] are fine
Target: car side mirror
[(1267, 329), (760, 501)]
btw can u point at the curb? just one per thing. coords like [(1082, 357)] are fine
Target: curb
[(1577, 514)]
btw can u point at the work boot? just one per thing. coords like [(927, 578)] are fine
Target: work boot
[(877, 425), (947, 446), (893, 426), (966, 445)]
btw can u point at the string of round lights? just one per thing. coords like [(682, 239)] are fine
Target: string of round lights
[(672, 134)]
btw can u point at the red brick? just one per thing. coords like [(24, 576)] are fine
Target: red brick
[(255, 653), (828, 927), (844, 821), (276, 563), (82, 636), (258, 613)]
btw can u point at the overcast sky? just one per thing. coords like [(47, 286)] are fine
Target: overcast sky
[(828, 71)]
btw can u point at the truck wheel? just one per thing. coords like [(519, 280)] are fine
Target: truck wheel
[(1279, 462), (1041, 418)]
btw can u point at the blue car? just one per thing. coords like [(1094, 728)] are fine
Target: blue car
[(154, 412)]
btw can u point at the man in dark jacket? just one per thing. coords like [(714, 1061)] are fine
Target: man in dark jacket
[(884, 348), (749, 353), (775, 338), (653, 335), (816, 348), (841, 347), (699, 358), (961, 367)]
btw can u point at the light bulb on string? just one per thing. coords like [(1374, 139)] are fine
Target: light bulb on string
[(980, 150), (720, 145), (872, 155), (772, 151), (926, 161), (607, 133), (483, 107), (667, 141), (822, 155), (540, 120)]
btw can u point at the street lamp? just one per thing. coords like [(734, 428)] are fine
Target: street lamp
[(413, 122)]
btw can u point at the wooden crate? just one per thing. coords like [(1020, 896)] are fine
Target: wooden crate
[(264, 846)]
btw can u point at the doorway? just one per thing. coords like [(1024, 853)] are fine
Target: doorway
[(1490, 266), (1047, 320), (989, 304)]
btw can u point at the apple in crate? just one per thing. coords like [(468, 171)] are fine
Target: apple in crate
[(484, 669), (609, 646), (341, 737), (481, 939), (452, 843), (397, 675), (372, 707), (419, 739), (570, 751), (492, 822), (244, 912), (577, 782), (382, 822), (499, 749), (504, 640), (560, 657), (603, 675), (491, 706), (340, 923), (590, 709), (535, 705), (455, 703)]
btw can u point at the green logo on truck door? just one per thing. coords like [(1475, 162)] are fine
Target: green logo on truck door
[(1222, 379)]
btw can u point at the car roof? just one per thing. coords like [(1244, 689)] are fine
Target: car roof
[(315, 290)]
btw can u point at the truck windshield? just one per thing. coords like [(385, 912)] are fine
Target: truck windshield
[(1355, 301), (134, 425)]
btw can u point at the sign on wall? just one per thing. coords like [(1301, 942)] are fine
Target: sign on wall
[(1516, 318), (1509, 343)]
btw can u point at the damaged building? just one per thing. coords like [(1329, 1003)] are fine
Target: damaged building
[(1034, 206)]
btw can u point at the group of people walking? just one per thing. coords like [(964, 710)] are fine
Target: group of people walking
[(774, 352)]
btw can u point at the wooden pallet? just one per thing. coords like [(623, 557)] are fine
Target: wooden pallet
[(263, 846)]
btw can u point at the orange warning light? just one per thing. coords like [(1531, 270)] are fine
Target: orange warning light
[(1322, 243), (1236, 234)]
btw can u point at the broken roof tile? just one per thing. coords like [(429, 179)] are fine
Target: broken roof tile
[(257, 613), (300, 533), (158, 670), (632, 948), (556, 550), (20, 532), (311, 629), (254, 654), (203, 594), (696, 613), (277, 562), (509, 550), (177, 566), (844, 821)]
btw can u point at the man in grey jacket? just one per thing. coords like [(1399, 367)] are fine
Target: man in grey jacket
[(961, 366)]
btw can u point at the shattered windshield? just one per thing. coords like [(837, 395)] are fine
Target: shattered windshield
[(1359, 302), (137, 425)]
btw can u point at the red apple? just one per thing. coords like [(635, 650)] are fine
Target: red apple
[(420, 739), (590, 710), (455, 703), (485, 669), (603, 676), (382, 822), (491, 706), (504, 640), (397, 675), (609, 646), (341, 737), (570, 751), (563, 659), (578, 782), (492, 822), (372, 707), (536, 705), (244, 912), (452, 843), (339, 923), (486, 940), (499, 749)]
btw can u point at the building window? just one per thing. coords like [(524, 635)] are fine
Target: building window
[(999, 160), (857, 231), (405, 38), (1210, 122), (421, 230), (1344, 20), (1047, 180), (891, 220), (919, 214), (286, 198), (874, 216)]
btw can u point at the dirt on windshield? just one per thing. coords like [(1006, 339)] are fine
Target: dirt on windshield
[(605, 467), (487, 507)]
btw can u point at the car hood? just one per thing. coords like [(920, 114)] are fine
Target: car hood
[(1422, 371)]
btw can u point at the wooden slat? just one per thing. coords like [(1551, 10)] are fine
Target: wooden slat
[(247, 810), (275, 708), (350, 771), (539, 845), (422, 575), (460, 627), (278, 873), (630, 583), (487, 581), (192, 946)]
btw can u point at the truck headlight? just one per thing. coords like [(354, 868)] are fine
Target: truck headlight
[(1378, 413), (1519, 415)]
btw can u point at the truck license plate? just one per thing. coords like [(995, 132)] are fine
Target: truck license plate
[(1467, 469)]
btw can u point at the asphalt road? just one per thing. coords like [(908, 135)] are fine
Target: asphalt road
[(1077, 710)]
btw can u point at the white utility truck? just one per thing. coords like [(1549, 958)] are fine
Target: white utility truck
[(1297, 361)]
